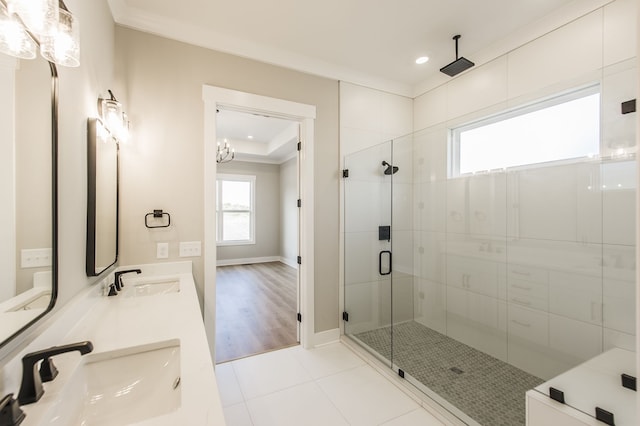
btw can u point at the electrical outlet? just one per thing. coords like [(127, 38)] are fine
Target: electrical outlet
[(162, 250), (35, 258), (190, 249)]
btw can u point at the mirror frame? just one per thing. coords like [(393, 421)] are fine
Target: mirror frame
[(54, 206), (92, 189)]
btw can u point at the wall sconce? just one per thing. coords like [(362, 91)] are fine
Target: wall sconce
[(27, 24), (224, 153), (114, 118)]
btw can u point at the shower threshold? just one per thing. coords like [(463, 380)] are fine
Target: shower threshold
[(487, 390)]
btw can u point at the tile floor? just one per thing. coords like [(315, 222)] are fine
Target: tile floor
[(325, 386)]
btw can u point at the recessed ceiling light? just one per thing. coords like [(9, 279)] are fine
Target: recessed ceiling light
[(250, 137), (422, 60)]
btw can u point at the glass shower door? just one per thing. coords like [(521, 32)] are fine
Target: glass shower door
[(368, 253)]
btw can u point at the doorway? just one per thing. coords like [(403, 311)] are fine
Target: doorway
[(257, 234), (216, 98)]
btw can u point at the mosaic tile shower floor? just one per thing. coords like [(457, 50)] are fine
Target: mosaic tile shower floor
[(488, 390)]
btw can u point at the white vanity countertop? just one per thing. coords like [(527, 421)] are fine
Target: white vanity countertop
[(118, 322)]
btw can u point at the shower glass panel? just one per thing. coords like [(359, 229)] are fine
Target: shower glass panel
[(368, 254), (481, 287)]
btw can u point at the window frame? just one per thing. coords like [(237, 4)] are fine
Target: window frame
[(538, 105), (221, 177)]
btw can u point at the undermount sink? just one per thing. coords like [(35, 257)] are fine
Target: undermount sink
[(123, 386), (151, 286)]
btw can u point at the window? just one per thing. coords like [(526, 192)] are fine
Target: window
[(565, 127), (235, 209)]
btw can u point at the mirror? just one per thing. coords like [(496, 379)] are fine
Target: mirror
[(28, 185), (102, 208)]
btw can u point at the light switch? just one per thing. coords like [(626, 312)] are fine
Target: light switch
[(35, 258), (162, 250), (190, 249)]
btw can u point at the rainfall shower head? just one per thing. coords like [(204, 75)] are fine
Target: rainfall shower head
[(390, 169), (459, 65)]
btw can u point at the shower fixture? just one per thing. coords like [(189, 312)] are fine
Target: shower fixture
[(390, 169), (459, 65)]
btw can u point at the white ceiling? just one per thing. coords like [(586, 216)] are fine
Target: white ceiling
[(368, 42), (257, 138)]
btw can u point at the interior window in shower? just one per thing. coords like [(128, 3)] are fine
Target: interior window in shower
[(564, 127)]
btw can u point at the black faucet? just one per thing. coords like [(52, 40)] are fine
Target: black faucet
[(31, 388), (117, 280)]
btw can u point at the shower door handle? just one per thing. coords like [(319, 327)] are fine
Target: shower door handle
[(382, 253)]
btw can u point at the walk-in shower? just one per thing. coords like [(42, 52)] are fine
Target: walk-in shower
[(497, 281)]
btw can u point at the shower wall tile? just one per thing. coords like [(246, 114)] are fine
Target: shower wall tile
[(618, 130), (576, 296), (538, 360), (618, 339), (430, 206), (570, 257), (430, 109), (430, 302), (619, 203), (476, 205), (487, 83), (457, 219), (402, 245), (620, 18), (402, 157), (356, 140), (529, 324), (430, 256), (360, 107), (396, 114), (403, 291), (402, 206), (585, 341), (430, 154), (478, 321), (486, 204), (555, 203), (619, 305), (367, 165), (544, 61)]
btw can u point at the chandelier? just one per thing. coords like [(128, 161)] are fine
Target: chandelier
[(224, 153)]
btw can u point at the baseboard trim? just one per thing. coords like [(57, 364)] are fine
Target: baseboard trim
[(326, 337), (289, 262), (248, 260)]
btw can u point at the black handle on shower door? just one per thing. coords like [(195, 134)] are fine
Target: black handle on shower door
[(380, 262)]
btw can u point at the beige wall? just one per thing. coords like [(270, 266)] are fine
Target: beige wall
[(163, 165), (33, 164), (79, 91), (267, 220)]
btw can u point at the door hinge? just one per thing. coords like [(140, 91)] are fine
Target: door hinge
[(299, 260), (299, 317), (345, 173), (299, 146), (299, 202), (345, 316)]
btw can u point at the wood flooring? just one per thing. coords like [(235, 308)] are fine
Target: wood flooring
[(256, 308)]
